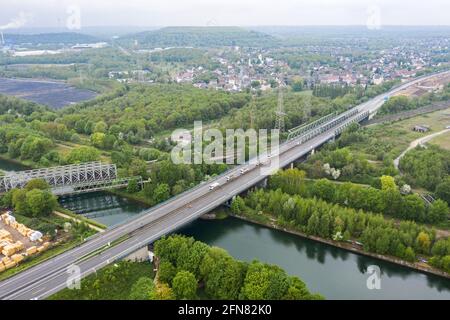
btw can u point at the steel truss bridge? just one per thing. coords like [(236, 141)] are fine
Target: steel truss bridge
[(70, 179)]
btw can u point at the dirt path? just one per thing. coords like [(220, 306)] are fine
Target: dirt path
[(417, 142), (74, 219)]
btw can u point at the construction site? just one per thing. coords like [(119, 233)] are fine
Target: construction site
[(18, 242), (427, 86)]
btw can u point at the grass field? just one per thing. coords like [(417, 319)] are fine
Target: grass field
[(396, 136), (442, 141)]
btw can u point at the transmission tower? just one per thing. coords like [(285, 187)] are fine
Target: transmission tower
[(280, 125), (252, 112)]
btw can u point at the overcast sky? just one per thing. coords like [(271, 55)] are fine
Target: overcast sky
[(57, 13)]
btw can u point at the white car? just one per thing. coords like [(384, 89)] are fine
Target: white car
[(213, 186)]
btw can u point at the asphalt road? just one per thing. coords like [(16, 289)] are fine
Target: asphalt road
[(50, 276)]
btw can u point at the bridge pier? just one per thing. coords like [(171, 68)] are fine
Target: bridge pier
[(140, 255), (263, 184)]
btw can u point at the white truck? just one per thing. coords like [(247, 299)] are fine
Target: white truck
[(213, 186)]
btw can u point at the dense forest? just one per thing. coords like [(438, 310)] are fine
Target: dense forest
[(201, 37), (426, 167), (387, 199), (141, 111)]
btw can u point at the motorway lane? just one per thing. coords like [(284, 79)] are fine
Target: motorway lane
[(50, 276)]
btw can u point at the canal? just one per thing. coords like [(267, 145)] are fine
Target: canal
[(333, 272), (106, 208), (6, 165)]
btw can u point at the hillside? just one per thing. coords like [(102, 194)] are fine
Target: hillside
[(200, 37)]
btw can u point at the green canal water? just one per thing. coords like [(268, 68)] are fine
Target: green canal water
[(6, 165), (333, 272)]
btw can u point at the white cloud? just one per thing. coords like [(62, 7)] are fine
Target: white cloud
[(231, 12)]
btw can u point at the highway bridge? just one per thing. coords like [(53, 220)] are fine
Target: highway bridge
[(104, 248)]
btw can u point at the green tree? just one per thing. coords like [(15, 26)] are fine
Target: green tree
[(298, 291), (409, 254), (19, 201), (40, 203), (137, 167), (297, 85), (443, 190), (83, 154), (161, 193), (238, 205), (101, 127), (133, 186), (166, 272), (223, 276), (388, 183), (324, 189), (438, 211), (98, 140), (423, 242), (143, 289), (264, 282), (40, 184), (184, 285), (163, 292)]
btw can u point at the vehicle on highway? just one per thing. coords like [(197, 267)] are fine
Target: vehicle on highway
[(213, 186), (244, 170)]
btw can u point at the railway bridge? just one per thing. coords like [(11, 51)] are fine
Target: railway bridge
[(69, 179)]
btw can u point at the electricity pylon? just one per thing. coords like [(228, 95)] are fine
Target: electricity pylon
[(280, 125)]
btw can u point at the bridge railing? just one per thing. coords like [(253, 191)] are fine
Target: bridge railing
[(297, 131)]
